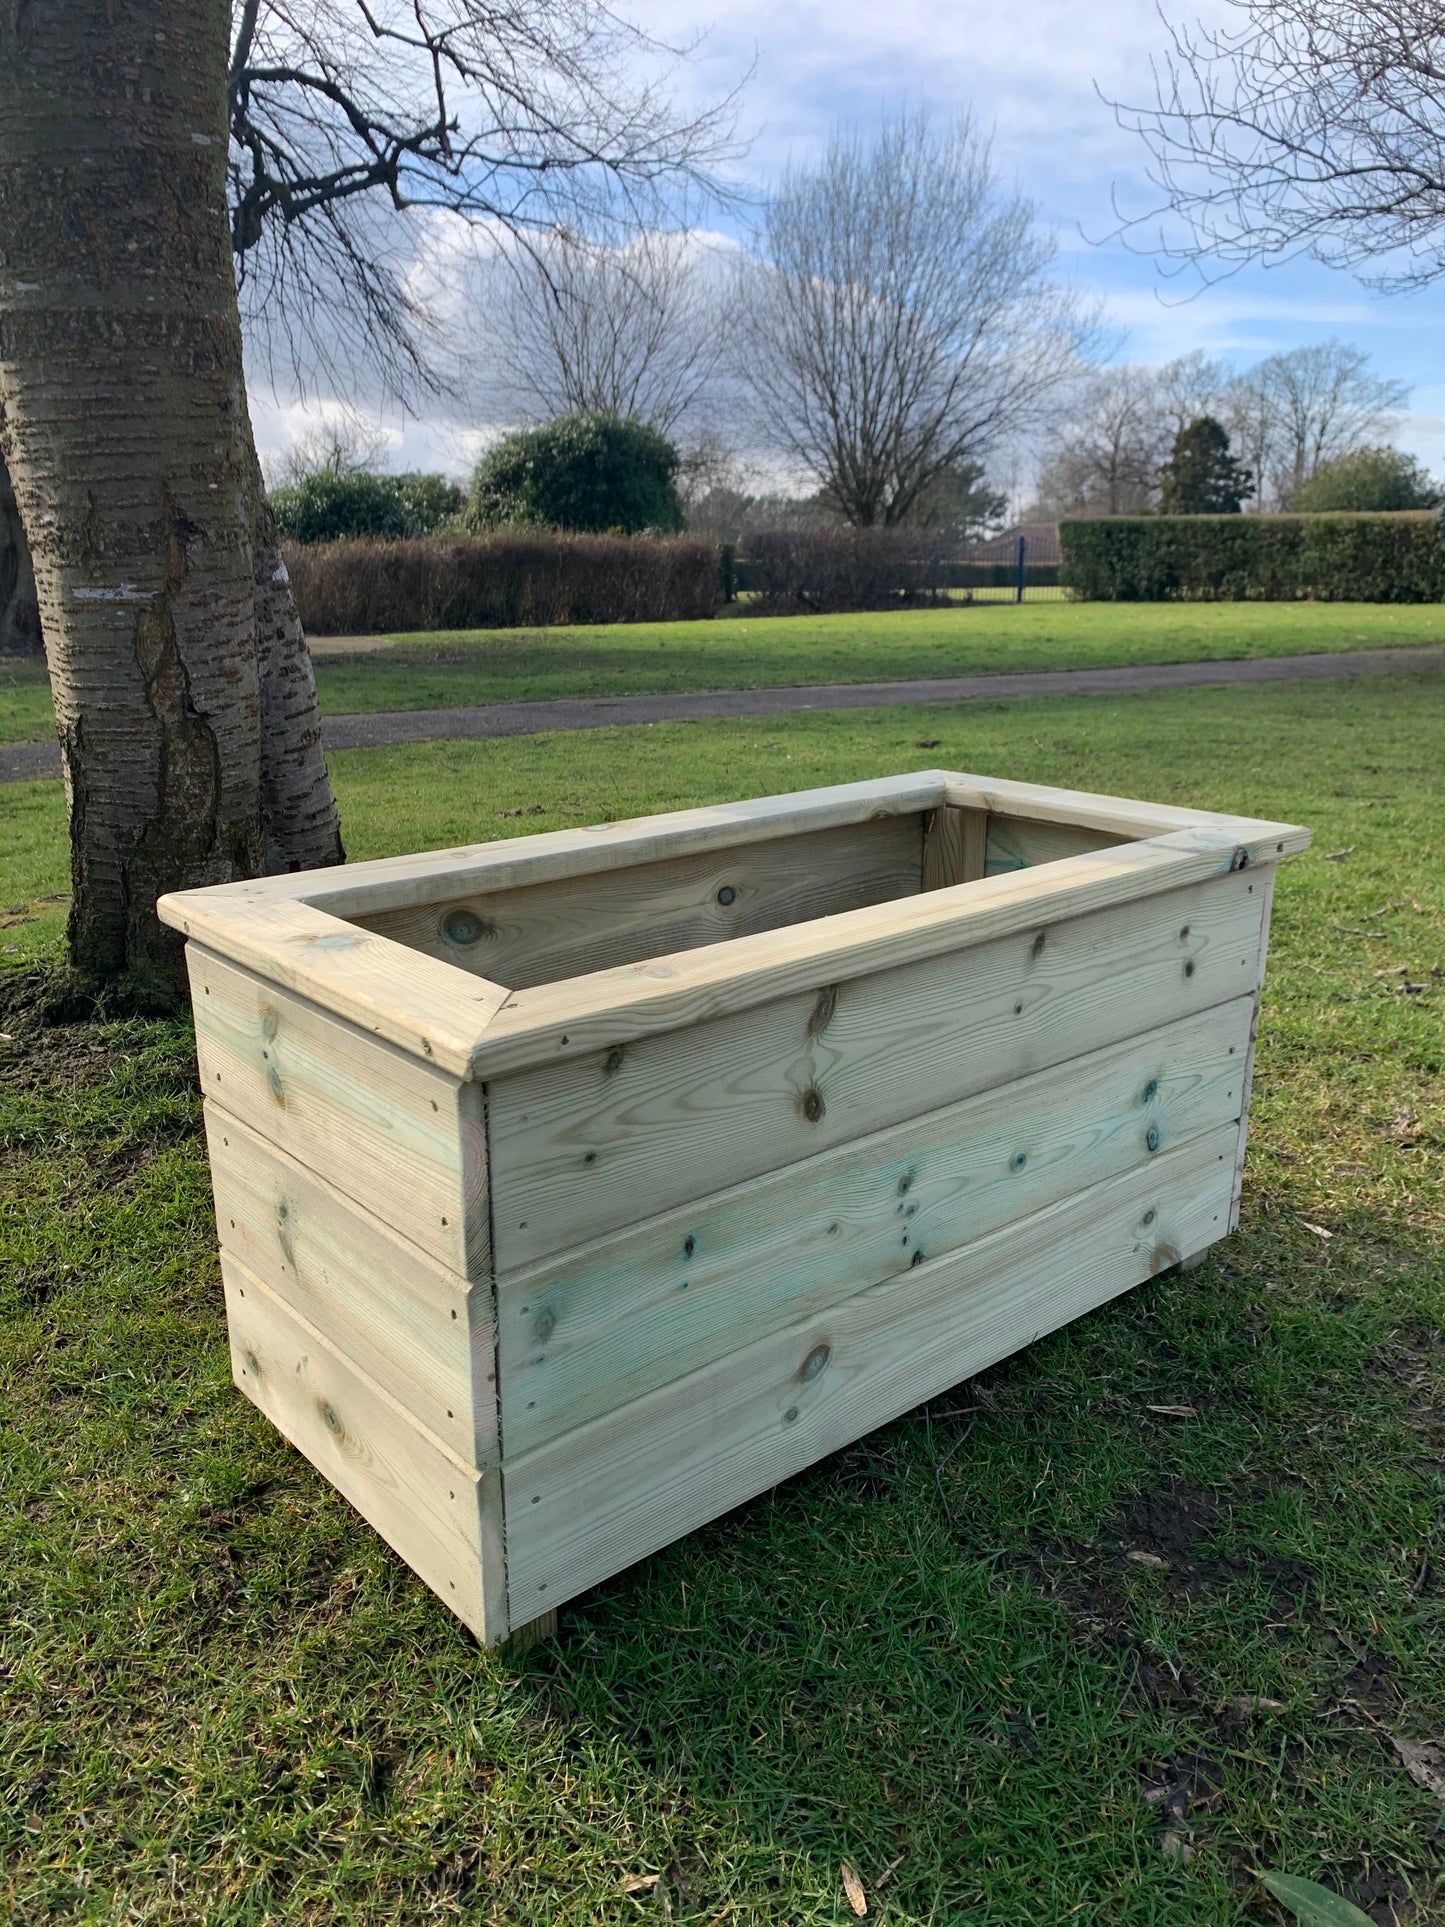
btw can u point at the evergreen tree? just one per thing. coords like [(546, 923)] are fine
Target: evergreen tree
[(1201, 477)]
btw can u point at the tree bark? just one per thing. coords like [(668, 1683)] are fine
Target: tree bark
[(172, 649), (19, 611)]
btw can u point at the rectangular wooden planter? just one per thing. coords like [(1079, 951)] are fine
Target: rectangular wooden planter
[(575, 1188)]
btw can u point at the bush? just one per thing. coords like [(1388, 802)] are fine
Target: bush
[(1371, 480), (509, 581), (581, 473), (820, 569), (329, 506), (1255, 558)]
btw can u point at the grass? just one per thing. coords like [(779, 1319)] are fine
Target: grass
[(446, 671), (931, 1657)]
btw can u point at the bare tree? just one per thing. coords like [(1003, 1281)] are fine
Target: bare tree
[(903, 320), (1309, 127), (1190, 386), (353, 121), (184, 695), (340, 444), (636, 330), (1307, 406), (1104, 458)]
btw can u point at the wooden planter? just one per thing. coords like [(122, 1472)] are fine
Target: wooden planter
[(575, 1188)]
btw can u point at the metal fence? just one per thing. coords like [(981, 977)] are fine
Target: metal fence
[(1020, 566)]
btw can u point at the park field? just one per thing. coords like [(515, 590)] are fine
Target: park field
[(1155, 1605), (451, 670)]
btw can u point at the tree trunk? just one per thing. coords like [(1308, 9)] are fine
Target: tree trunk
[(172, 648), (19, 611)]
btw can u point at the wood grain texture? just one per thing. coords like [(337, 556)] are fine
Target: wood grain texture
[(443, 1517), (615, 1007), (598, 1498), (594, 1329), (1015, 843), (954, 842), (548, 931), (1119, 815), (1265, 884), (581, 1148), (403, 1319), (389, 1132), (412, 1001)]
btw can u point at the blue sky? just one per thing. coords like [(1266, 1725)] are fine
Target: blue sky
[(1029, 72)]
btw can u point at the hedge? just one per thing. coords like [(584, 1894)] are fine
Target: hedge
[(1255, 558), (506, 581), (837, 569)]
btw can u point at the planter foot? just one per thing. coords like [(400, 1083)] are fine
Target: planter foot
[(544, 1626)]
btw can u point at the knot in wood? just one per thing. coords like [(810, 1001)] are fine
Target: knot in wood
[(463, 927), (813, 1106), (814, 1362)]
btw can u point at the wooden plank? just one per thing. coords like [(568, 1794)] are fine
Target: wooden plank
[(1120, 815), (595, 1328), (388, 1131), (403, 1319), (581, 1147), (544, 932), (601, 1497), (1015, 843), (443, 1517), (414, 1002), (403, 882), (614, 1007), (953, 847), (1265, 887)]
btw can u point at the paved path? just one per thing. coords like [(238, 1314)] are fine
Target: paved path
[(22, 761)]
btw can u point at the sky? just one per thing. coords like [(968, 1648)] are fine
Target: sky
[(1032, 74)]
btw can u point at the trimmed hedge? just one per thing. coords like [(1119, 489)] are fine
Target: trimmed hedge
[(506, 581), (1255, 558), (839, 569)]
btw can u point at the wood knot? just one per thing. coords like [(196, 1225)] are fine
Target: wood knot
[(813, 1105), (823, 1011)]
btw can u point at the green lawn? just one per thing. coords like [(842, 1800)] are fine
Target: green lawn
[(445, 671), (931, 1657)]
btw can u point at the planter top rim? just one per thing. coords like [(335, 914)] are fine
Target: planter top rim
[(294, 931)]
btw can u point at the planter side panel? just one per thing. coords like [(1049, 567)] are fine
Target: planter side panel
[(443, 1517), (582, 1148), (548, 931), (595, 1328), (389, 1132), (600, 1497), (398, 1316)]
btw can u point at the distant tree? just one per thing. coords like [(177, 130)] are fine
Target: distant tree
[(904, 319), (1307, 406), (1105, 454), (638, 331), (1378, 479), (959, 498), (326, 505), (580, 472), (1201, 477)]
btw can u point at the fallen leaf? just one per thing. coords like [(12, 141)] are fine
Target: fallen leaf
[(853, 1887), (928, 742), (1318, 1229), (509, 812), (1396, 970), (1256, 1703), (1313, 1905), (1333, 856), (1173, 1411), (1424, 1761), (1148, 1559), (635, 1883), (1411, 990), (1174, 1846), (888, 1872)]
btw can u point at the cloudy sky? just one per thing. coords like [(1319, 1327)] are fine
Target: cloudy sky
[(1033, 73)]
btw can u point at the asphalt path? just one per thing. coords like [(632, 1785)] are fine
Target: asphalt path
[(24, 762)]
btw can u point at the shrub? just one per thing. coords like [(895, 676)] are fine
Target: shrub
[(507, 581), (1369, 480), (873, 568), (1255, 558), (582, 473), (328, 506), (1201, 477)]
